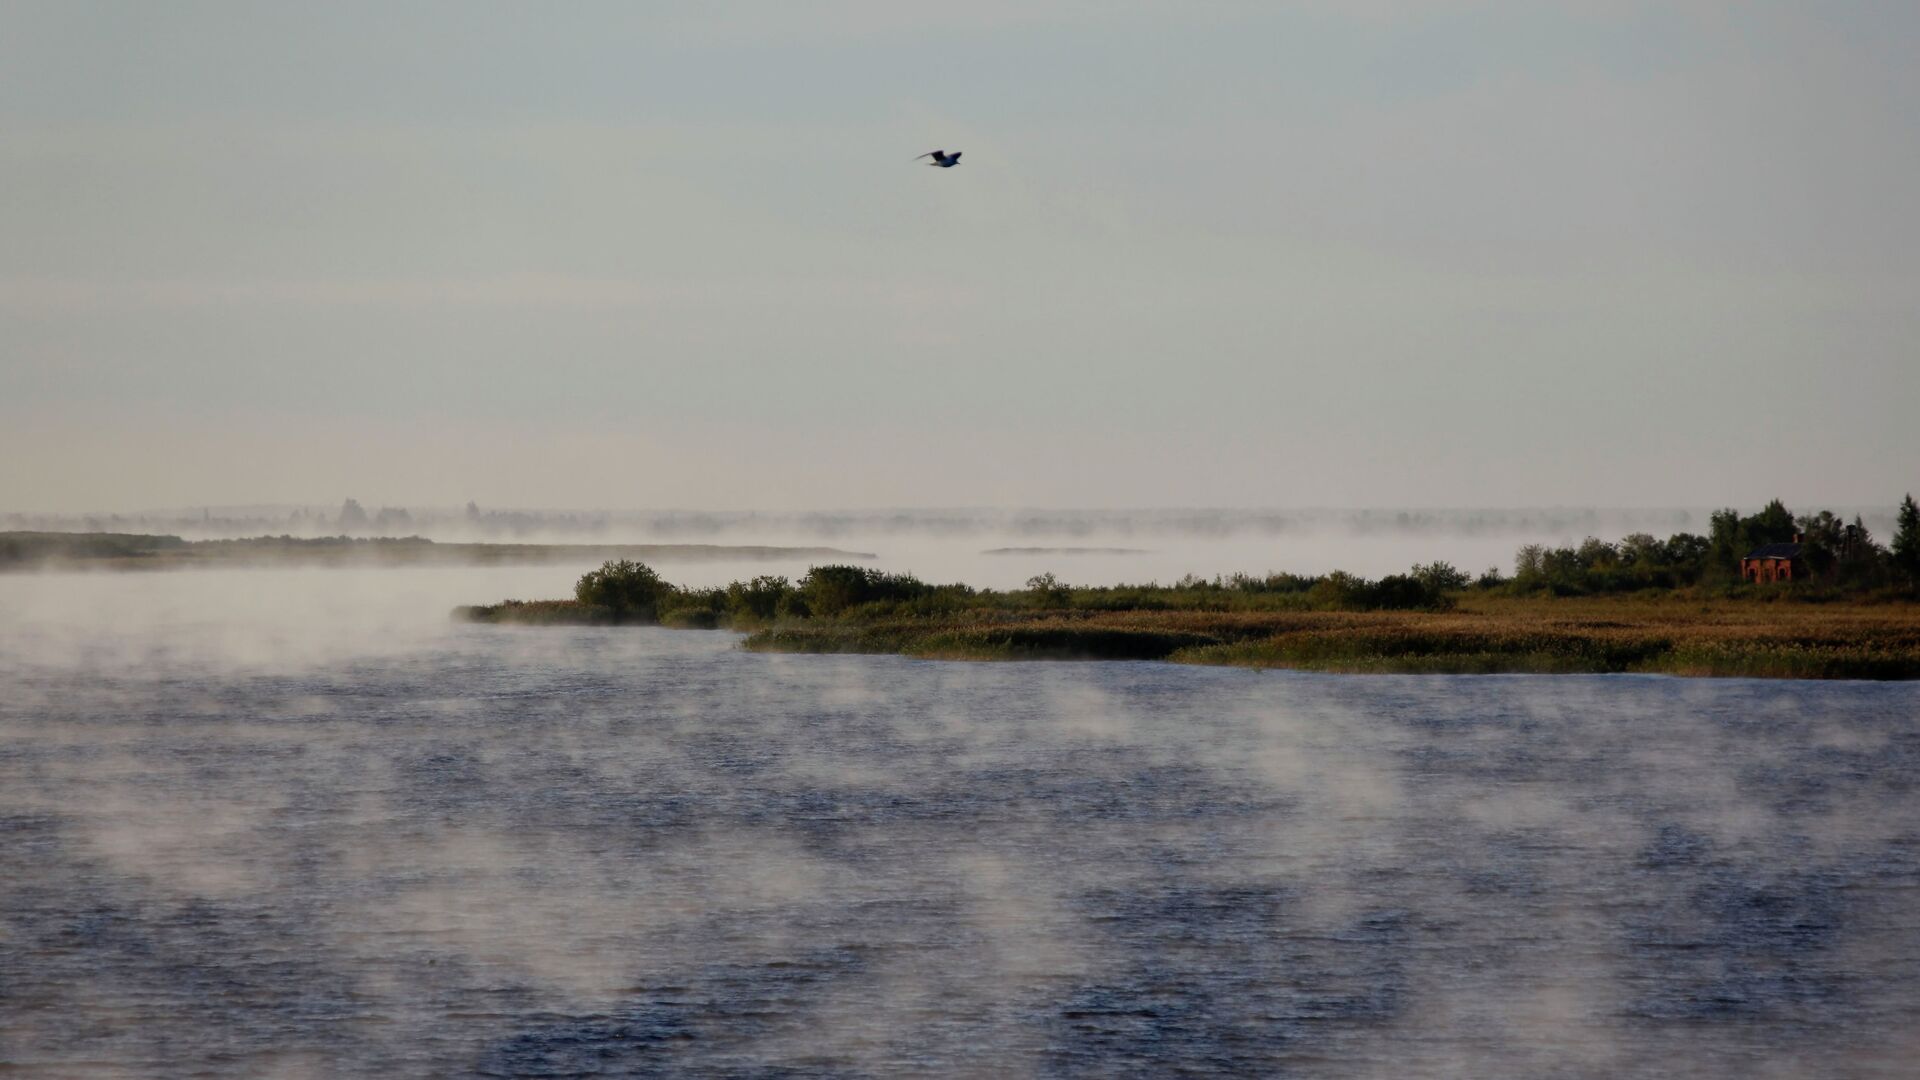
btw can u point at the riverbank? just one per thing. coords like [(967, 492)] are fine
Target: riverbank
[(1677, 635)]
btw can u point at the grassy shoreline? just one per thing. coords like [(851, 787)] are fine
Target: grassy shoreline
[(1675, 634)]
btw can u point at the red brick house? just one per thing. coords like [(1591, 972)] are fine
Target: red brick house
[(1773, 562)]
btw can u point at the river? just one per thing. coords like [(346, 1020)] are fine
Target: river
[(300, 824)]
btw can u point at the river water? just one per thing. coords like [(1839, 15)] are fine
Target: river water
[(260, 824)]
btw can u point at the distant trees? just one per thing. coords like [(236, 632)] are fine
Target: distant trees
[(392, 519), (1836, 554), (1906, 542), (352, 516), (1638, 561), (625, 591), (1842, 553)]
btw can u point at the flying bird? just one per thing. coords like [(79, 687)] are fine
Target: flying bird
[(942, 158)]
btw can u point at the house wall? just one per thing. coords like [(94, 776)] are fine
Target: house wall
[(1766, 571)]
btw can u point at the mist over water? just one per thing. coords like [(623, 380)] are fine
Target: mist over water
[(1222, 288), (983, 548), (280, 823)]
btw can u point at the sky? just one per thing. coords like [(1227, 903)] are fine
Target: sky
[(1198, 253)]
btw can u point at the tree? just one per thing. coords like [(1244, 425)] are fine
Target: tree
[(1641, 549), (1859, 561), (830, 590), (759, 598), (1906, 541), (1822, 537), (1687, 552), (1772, 525), (1596, 554), (1856, 543), (1047, 590), (1529, 566), (1724, 546), (628, 589), (1440, 577)]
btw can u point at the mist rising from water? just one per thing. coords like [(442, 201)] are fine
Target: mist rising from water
[(276, 820), (984, 548)]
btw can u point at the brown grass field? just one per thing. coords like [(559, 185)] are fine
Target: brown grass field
[(1728, 638)]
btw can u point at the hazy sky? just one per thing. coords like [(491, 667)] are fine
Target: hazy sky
[(1199, 253)]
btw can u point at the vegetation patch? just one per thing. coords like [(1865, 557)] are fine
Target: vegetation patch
[(1676, 606), (538, 613)]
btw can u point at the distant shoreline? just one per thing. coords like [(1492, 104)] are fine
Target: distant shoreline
[(39, 551), (1066, 551)]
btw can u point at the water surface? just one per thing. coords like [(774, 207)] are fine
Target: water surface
[(299, 824)]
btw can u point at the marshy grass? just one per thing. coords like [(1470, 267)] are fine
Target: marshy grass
[(1537, 635)]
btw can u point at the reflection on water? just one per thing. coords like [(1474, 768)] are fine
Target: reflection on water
[(357, 842)]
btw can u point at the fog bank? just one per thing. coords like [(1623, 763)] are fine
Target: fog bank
[(981, 547)]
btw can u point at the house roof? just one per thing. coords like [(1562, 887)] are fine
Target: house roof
[(1775, 551)]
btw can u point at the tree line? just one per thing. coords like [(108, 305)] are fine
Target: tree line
[(1839, 557), (1836, 555), (627, 591)]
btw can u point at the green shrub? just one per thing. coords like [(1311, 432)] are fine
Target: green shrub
[(629, 589), (832, 590), (1341, 591), (1048, 592), (1440, 577), (757, 599)]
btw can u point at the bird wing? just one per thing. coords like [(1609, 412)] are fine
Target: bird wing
[(955, 156), (931, 153)]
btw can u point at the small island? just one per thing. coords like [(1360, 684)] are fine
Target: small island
[(1731, 603)]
